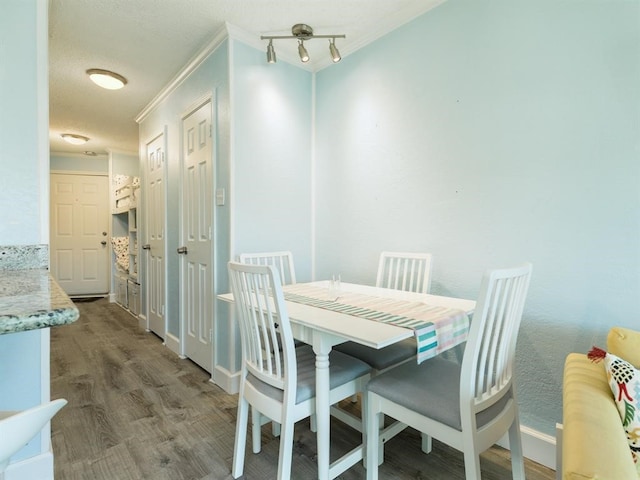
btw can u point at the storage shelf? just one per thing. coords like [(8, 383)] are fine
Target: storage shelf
[(125, 201)]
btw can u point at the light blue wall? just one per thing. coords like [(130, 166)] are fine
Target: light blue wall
[(491, 133), (125, 164), (24, 194), (272, 121), (20, 182), (271, 189), (98, 164)]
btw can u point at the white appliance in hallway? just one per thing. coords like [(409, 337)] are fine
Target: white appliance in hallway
[(155, 246), (197, 270), (79, 233)]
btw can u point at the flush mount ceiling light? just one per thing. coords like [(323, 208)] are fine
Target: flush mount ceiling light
[(302, 33), (106, 79), (74, 139)]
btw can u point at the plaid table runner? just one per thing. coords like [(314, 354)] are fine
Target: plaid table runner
[(436, 328)]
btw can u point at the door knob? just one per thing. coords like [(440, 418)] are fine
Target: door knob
[(182, 250), (146, 246), (103, 242)]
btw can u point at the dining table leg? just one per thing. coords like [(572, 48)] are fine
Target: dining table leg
[(322, 348)]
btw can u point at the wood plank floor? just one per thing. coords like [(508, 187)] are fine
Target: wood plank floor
[(137, 411)]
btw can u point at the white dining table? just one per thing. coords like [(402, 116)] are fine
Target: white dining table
[(322, 329)]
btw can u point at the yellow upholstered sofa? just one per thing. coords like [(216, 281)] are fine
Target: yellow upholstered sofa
[(594, 443)]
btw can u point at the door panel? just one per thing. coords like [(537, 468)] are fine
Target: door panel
[(155, 255), (197, 262), (79, 220)]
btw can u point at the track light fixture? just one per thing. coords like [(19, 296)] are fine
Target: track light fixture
[(302, 33)]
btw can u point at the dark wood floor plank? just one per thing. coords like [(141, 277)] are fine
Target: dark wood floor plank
[(138, 411)]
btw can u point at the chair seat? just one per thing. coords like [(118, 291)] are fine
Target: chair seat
[(385, 357), (342, 369), (431, 389)]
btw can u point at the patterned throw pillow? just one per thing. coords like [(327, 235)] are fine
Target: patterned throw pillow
[(624, 381)]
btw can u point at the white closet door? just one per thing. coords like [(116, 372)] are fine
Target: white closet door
[(197, 225), (155, 246), (79, 229)]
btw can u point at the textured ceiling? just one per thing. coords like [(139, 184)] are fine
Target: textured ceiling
[(150, 41)]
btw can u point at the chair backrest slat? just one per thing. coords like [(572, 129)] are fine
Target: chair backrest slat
[(487, 368), (267, 341), (281, 261), (410, 272)]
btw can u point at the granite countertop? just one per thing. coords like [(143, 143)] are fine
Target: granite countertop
[(31, 299)]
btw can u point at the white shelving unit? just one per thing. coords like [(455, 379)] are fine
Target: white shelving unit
[(125, 211)]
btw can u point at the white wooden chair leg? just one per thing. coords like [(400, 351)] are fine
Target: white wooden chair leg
[(256, 423), (515, 445), (472, 463), (313, 423), (241, 438), (275, 429), (373, 438), (286, 451), (380, 444), (426, 442)]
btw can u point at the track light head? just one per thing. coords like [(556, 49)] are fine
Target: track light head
[(304, 55), (271, 53), (335, 54)]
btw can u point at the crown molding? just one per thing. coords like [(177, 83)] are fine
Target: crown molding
[(189, 68)]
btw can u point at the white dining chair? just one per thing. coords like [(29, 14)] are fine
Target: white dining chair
[(409, 272), (17, 428), (468, 406), (282, 261), (277, 380)]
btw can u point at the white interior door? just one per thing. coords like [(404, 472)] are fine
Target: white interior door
[(155, 244), (79, 229), (197, 255)]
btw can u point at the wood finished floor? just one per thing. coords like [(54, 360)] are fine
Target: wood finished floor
[(137, 411)]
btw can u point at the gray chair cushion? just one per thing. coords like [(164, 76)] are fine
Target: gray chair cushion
[(342, 369), (385, 357), (432, 389)]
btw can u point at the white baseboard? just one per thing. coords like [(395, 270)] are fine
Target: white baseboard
[(536, 446), (229, 382), (173, 343), (143, 323), (38, 467)]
